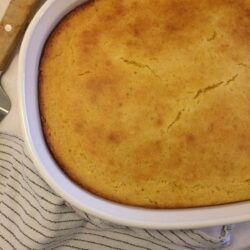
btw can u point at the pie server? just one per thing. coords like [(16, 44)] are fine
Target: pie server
[(12, 27)]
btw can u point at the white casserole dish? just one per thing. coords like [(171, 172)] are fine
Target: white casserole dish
[(39, 29)]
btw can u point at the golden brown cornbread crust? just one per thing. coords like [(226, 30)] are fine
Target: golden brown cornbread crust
[(147, 103)]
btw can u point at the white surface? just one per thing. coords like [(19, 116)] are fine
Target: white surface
[(3, 7), (33, 42)]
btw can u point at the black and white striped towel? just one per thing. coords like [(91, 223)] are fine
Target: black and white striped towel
[(32, 216)]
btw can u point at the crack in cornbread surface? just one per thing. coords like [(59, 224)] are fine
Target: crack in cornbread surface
[(147, 103)]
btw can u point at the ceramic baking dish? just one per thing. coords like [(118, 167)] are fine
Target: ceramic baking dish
[(39, 29)]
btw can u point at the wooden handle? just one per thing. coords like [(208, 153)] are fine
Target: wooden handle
[(12, 27)]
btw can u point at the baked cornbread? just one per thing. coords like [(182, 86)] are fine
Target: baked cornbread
[(147, 103)]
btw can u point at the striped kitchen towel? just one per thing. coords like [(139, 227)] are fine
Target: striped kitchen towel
[(32, 216)]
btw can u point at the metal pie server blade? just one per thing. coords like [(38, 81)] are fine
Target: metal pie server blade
[(5, 103)]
